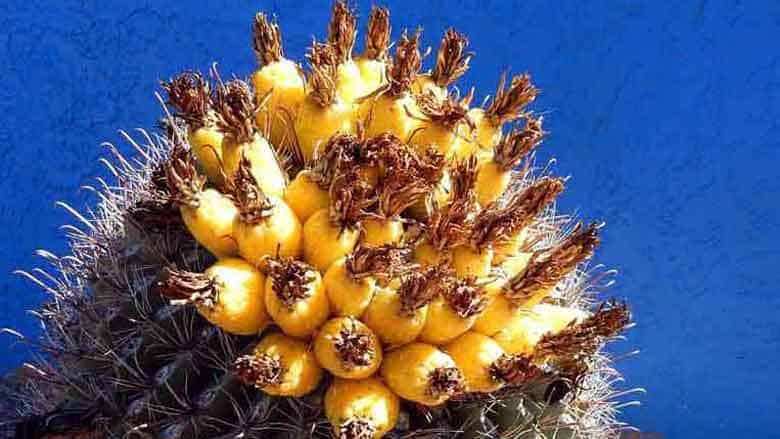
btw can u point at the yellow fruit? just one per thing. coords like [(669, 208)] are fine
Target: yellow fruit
[(525, 331), (211, 222), (347, 348), (349, 296), (486, 134), (427, 255), (361, 408), (276, 233), (280, 366), (295, 297), (305, 196), (388, 319), (228, 294), (315, 124), (495, 174), (422, 373), (444, 126), (506, 249), (474, 354), (500, 311), (324, 242), (263, 163), (206, 144), (469, 262), (454, 311), (278, 76), (380, 231)]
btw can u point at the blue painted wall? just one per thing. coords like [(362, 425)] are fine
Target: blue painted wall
[(664, 113)]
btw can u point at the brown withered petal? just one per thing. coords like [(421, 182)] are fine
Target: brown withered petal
[(324, 63), (252, 203), (186, 287), (497, 222), (518, 143), (403, 71), (190, 96), (351, 198), (378, 34), (547, 268), (353, 348), (465, 298), (235, 108), (581, 340), (513, 370), (356, 428), (419, 288), (508, 103), (259, 370), (181, 175), (447, 112), (290, 280), (382, 262), (342, 31), (445, 381), (452, 60), (267, 41)]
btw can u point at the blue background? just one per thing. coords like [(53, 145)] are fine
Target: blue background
[(666, 116)]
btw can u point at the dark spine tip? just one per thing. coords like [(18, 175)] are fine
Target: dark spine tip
[(445, 381), (260, 370)]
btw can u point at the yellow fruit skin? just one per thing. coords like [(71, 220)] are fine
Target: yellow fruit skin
[(305, 316), (441, 193), (492, 182), (328, 357), (314, 124), (323, 242), (486, 134), (443, 324), (239, 308), (264, 165), (389, 115), (500, 311), (211, 223), (474, 353), (367, 399), (498, 314), (437, 136), (305, 197), (427, 255), (349, 82), (372, 74), (384, 317), (469, 262), (525, 331), (301, 374), (505, 251), (280, 232), (348, 296), (288, 93), (206, 144), (381, 231), (406, 371), (424, 83)]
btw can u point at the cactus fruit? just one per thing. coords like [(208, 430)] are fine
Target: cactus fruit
[(352, 251)]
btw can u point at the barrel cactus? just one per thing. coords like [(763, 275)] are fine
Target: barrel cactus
[(350, 250)]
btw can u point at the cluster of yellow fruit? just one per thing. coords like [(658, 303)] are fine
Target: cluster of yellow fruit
[(362, 212)]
